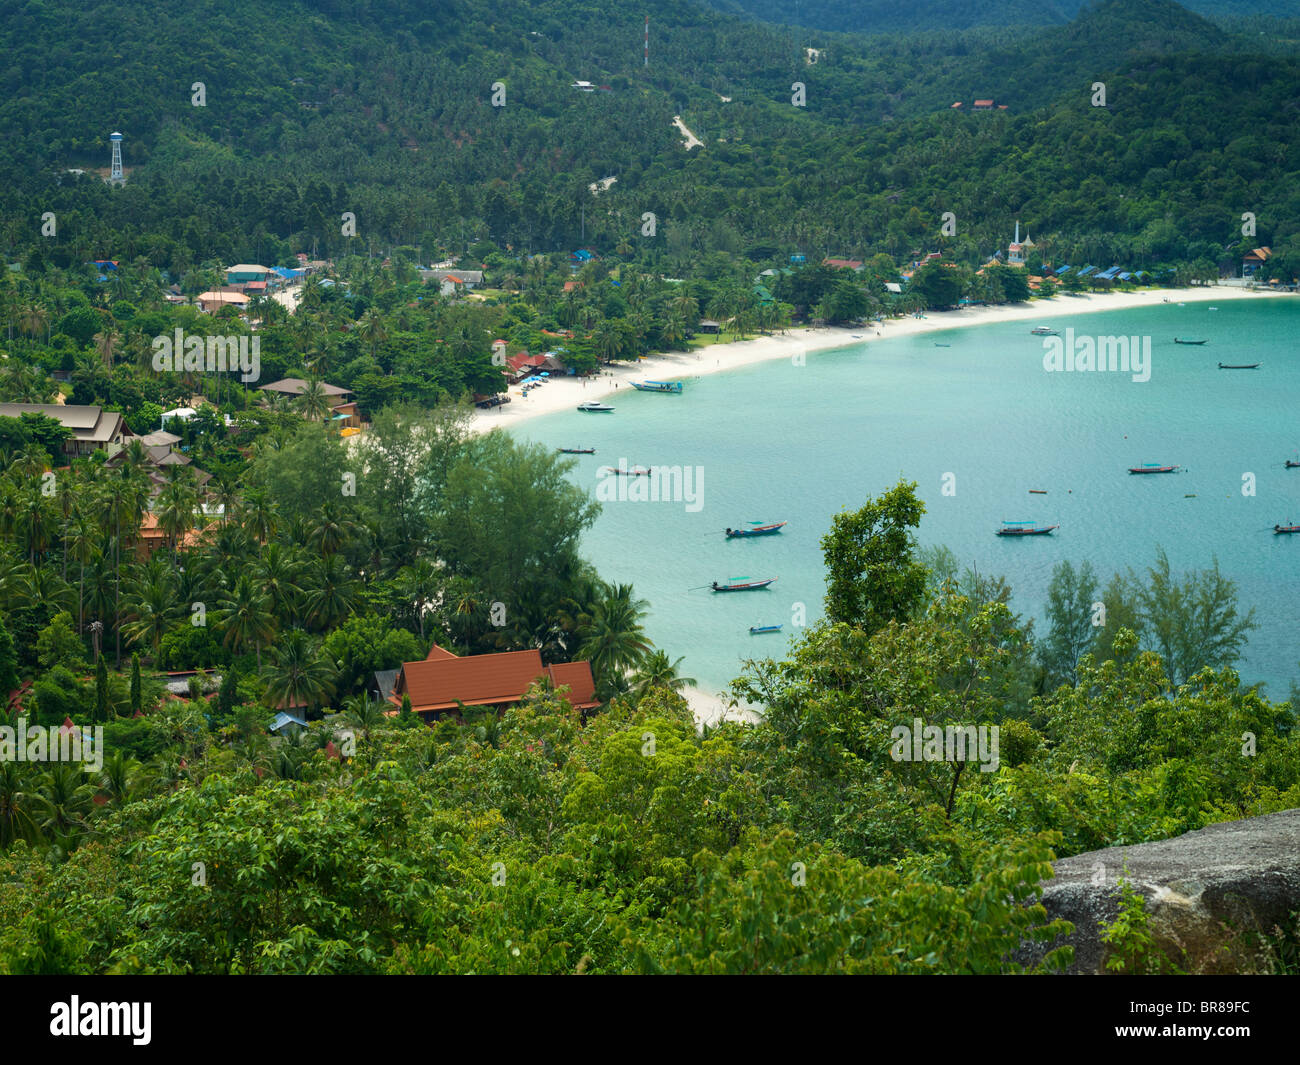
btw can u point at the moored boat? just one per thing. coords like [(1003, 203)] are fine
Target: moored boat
[(1279, 529), (674, 387), (754, 630), (576, 450), (742, 584), (1193, 343), (1239, 366), (1044, 331), (593, 407), (1151, 467), (635, 471), (757, 529), (1024, 528), (1292, 465)]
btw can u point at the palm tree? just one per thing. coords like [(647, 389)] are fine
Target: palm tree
[(365, 713), (36, 524), (657, 671), (175, 507), (18, 803), (106, 344), (120, 778), (33, 319), (63, 805), (330, 530), (260, 516), (244, 615), (277, 573), (331, 592), (370, 328), (614, 640), (313, 401), (151, 605), (300, 675)]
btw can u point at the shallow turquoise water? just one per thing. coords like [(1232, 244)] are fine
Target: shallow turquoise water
[(784, 442)]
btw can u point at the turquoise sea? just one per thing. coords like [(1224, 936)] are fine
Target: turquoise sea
[(777, 441)]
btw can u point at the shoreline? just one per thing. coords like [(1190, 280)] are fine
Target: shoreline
[(565, 393)]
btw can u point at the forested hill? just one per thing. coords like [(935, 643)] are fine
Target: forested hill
[(887, 16), (385, 109)]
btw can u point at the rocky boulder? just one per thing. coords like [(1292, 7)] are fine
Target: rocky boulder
[(1212, 895)]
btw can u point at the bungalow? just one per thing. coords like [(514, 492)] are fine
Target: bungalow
[(344, 412), (983, 105), (444, 683), (93, 428), (843, 264), (708, 325), (243, 273), (467, 279), (212, 301), (1252, 262)]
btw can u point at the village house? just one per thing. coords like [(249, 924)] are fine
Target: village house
[(453, 281), (212, 301), (1251, 263), (93, 428), (443, 682), (344, 413)]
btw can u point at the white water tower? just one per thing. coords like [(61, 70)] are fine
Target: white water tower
[(115, 175)]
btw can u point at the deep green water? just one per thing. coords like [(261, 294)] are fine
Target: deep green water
[(799, 443)]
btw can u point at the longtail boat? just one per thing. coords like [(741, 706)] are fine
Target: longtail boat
[(754, 630), (1024, 528), (1292, 465), (757, 529), (742, 584), (576, 450), (635, 471), (1038, 491), (674, 387), (1151, 467), (1045, 331), (592, 407), (1279, 529), (1192, 343), (1239, 366)]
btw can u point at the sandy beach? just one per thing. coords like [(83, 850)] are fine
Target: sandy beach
[(565, 393)]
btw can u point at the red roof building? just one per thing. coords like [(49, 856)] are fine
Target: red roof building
[(443, 682)]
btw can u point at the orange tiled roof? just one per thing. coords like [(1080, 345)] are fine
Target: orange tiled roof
[(443, 683)]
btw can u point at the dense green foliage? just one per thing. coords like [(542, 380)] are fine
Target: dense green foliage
[(399, 128)]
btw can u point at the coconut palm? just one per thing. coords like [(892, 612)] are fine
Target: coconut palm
[(331, 592), (150, 605), (18, 803), (365, 713), (63, 805), (259, 515), (244, 616), (614, 640), (330, 530), (657, 671), (314, 401), (278, 573), (299, 675), (106, 343)]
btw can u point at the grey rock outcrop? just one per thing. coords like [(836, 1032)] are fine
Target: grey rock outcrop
[(1209, 894)]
